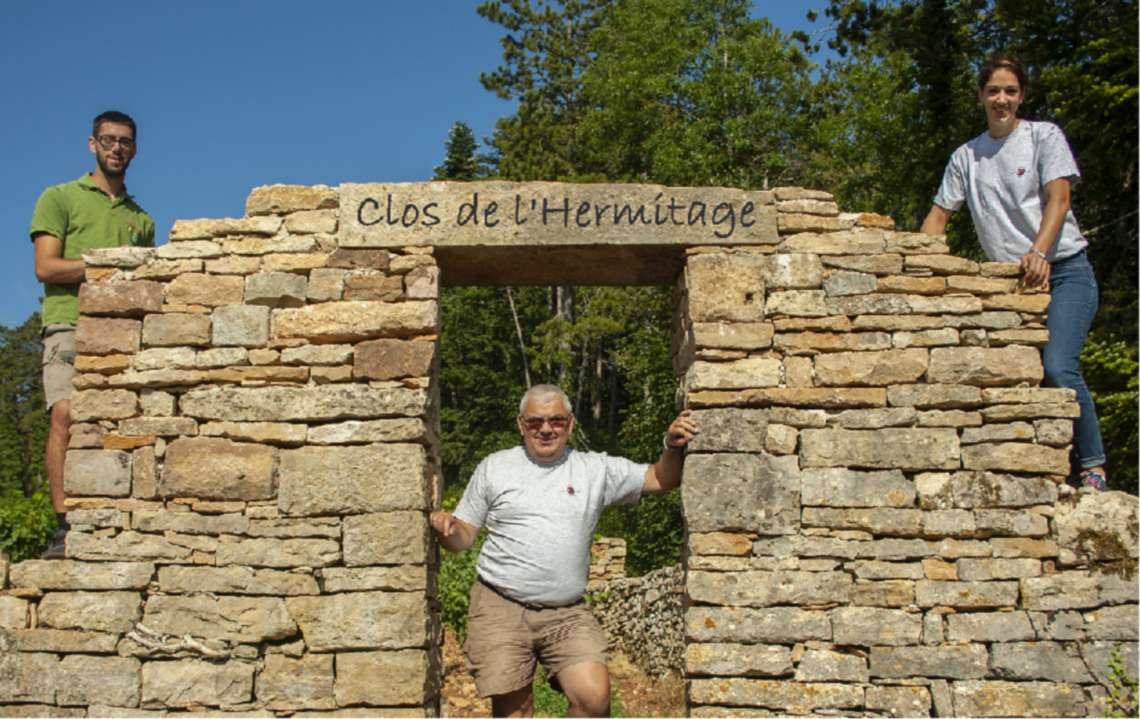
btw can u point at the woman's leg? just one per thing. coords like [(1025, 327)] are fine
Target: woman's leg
[(1071, 311)]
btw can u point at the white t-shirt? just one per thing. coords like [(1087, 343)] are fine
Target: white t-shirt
[(1003, 182), (540, 519)]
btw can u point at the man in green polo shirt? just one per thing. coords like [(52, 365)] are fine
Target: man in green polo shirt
[(91, 212)]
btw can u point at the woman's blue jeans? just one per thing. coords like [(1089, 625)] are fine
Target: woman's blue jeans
[(1071, 312)]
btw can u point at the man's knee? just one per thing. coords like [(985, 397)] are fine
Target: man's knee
[(61, 415), (587, 687)]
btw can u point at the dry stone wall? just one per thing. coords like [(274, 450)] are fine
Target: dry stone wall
[(643, 618), (877, 511), (254, 454)]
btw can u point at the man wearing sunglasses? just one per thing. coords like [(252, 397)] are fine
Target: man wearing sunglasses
[(540, 504), (91, 212)]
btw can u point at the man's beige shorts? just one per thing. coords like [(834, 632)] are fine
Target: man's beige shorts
[(504, 639), (59, 362)]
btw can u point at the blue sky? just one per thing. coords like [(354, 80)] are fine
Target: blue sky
[(233, 95)]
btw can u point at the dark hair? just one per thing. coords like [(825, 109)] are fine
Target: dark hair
[(118, 118), (1001, 61)]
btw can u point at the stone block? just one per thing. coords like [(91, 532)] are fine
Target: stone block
[(982, 490), (749, 492), (327, 285), (13, 613), (812, 324), (821, 665), (734, 660), (248, 620), (276, 289), (1100, 528), (987, 569), (990, 627), (361, 621), (350, 480), (1010, 522), (91, 611), (1099, 657), (94, 404), (933, 396), (311, 222), (903, 284), (1053, 432), (783, 696), (942, 264), (719, 543), (1012, 432), (774, 625), (241, 326), (288, 684), (926, 338), (953, 305), (984, 366), (792, 271), (402, 578), (205, 290), (386, 538), (962, 661), (195, 683), (823, 397), (868, 305), (357, 259), (97, 473), (317, 355), (849, 242), (901, 701), (730, 430), (123, 257), (908, 449), (889, 593), (254, 248), (765, 589), (1047, 661), (302, 404), (68, 575), (284, 199), (280, 553), (1008, 412), (158, 426), (144, 473), (176, 329), (112, 364), (354, 321), (367, 678), (876, 520), (374, 288), (877, 418), (120, 298), (235, 580), (187, 249), (168, 269), (214, 468), (845, 283), (796, 303), (288, 527), (741, 374), (896, 323), (726, 288), (188, 522), (1112, 624), (798, 418), (887, 570), (966, 595), (833, 342), (379, 430), (109, 681), (125, 547), (260, 432), (164, 358), (1076, 590), (949, 418), (870, 369), (1021, 699), (388, 359), (60, 641), (886, 264), (28, 677), (741, 335), (103, 336), (874, 626), (797, 372)]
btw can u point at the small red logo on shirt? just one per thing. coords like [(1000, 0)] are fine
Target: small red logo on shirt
[(569, 490), (1020, 171)]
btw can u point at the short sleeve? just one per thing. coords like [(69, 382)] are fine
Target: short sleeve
[(473, 506), (1054, 156), (625, 480), (952, 193), (49, 216)]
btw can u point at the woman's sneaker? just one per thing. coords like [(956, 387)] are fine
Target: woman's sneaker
[(57, 548), (1096, 480)]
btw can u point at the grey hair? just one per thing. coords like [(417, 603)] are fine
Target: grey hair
[(544, 393)]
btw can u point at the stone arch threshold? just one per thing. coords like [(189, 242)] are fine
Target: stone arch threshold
[(875, 520)]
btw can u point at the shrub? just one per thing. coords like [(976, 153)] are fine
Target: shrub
[(26, 525)]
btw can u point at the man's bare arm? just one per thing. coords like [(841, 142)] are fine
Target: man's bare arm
[(455, 535), (51, 265), (935, 222), (665, 474)]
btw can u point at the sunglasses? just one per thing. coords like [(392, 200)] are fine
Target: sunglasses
[(557, 422)]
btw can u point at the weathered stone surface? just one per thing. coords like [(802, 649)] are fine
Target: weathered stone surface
[(164, 358), (176, 329), (876, 520), (97, 473), (111, 364), (1053, 432), (235, 580), (730, 430), (205, 290), (971, 490), (1016, 457), (194, 683), (896, 323), (990, 627), (883, 304), (403, 578), (91, 611), (898, 701), (933, 396), (386, 538), (820, 665), (229, 618), (311, 222), (28, 678), (1048, 661), (741, 374), (124, 257), (366, 678), (1112, 624), (887, 570), (422, 283), (1076, 590), (327, 285), (378, 430), (61, 641), (111, 681), (845, 283), (124, 547), (965, 595), (1007, 412), (737, 335), (916, 243), (120, 298), (262, 432), (168, 269), (984, 366), (824, 397), (252, 248), (1012, 432), (13, 613), (373, 288), (1028, 395), (302, 404), (276, 289), (812, 324), (792, 271), (963, 661), (764, 589), (954, 305), (317, 355), (189, 522), (1100, 528), (157, 378), (160, 426), (986, 569), (926, 338), (749, 492), (877, 418), (102, 336), (361, 620), (870, 369), (1021, 699), (288, 527), (781, 439), (279, 553), (775, 625), (797, 303), (749, 660), (96, 404), (387, 359), (345, 480), (354, 259), (214, 468), (719, 543), (886, 264), (354, 321), (284, 199), (910, 449), (949, 418), (69, 575), (241, 326), (833, 342), (185, 250), (841, 487), (948, 523), (783, 696), (850, 242)]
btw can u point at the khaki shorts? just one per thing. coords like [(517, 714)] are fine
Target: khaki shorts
[(504, 639), (59, 362)]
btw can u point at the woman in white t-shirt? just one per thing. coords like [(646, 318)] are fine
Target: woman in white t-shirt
[(1016, 178)]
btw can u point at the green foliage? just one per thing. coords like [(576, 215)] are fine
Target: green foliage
[(1122, 695), (1110, 369), (548, 702), (456, 577), (461, 163), (26, 524), (23, 414)]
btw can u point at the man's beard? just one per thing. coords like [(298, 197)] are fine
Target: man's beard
[(107, 171)]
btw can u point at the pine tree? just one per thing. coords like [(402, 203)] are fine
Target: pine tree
[(461, 162)]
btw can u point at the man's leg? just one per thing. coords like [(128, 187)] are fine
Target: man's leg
[(587, 686), (519, 703), (59, 435), (59, 370)]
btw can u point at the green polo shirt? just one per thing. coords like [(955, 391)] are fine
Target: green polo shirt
[(85, 218)]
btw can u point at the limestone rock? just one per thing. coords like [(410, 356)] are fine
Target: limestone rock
[(287, 684), (821, 665), (1016, 457), (241, 326), (385, 678), (172, 358), (361, 620), (60, 641), (284, 199), (990, 627), (797, 303), (351, 480), (327, 285), (771, 625), (97, 472), (354, 321), (901, 701), (188, 522), (764, 589), (729, 660), (933, 396), (125, 547), (28, 678), (13, 613), (194, 683), (730, 430), (792, 271), (782, 696), (235, 580), (205, 290), (1100, 528), (985, 568), (279, 553), (213, 468), (841, 487), (234, 619), (781, 439), (887, 264), (387, 359), (374, 288), (870, 369), (120, 298), (95, 404), (726, 288), (876, 520), (1012, 432), (750, 492), (386, 538), (1022, 699), (276, 289), (317, 355), (833, 342), (971, 490), (737, 335), (741, 374), (984, 366), (908, 449), (962, 661), (844, 283), (69, 575), (403, 578), (850, 242), (966, 595), (877, 418), (377, 430), (1038, 660), (103, 336), (260, 432), (720, 543), (1053, 432), (302, 404), (110, 681), (176, 329), (91, 611)]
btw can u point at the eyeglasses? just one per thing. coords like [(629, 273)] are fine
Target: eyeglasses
[(108, 141), (557, 422)]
